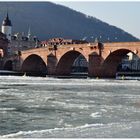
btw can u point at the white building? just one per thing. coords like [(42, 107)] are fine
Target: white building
[(131, 62), (7, 27), (17, 41)]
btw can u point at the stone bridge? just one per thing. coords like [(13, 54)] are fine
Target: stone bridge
[(103, 59)]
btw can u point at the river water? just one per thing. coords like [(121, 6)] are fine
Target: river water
[(35, 107)]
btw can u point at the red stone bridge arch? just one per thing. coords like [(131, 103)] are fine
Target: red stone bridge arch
[(66, 61), (34, 65), (102, 58)]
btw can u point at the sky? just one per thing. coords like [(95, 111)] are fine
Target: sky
[(125, 15)]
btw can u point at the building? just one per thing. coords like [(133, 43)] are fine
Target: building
[(3, 45), (80, 64), (61, 41), (3, 48), (131, 62), (7, 27), (17, 41), (20, 42)]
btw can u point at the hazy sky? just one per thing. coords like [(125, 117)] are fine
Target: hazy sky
[(125, 15)]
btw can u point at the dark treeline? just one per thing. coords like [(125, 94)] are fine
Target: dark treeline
[(49, 20)]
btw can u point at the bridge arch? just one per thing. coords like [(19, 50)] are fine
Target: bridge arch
[(8, 65), (65, 63), (112, 61), (34, 65)]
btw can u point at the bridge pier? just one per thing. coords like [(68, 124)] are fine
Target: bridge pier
[(51, 64), (94, 67)]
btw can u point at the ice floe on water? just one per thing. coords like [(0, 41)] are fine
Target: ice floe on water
[(33, 107)]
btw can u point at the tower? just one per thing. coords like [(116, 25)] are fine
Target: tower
[(29, 34), (7, 27)]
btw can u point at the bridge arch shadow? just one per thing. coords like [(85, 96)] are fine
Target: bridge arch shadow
[(111, 64), (34, 65), (70, 62), (8, 65)]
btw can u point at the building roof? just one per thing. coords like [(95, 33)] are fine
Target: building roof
[(7, 21), (56, 41), (2, 36)]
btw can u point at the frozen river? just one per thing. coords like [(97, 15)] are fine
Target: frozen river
[(32, 107)]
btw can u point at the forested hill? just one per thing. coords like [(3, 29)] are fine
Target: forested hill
[(49, 20)]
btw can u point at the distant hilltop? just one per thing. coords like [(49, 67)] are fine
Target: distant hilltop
[(48, 20)]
